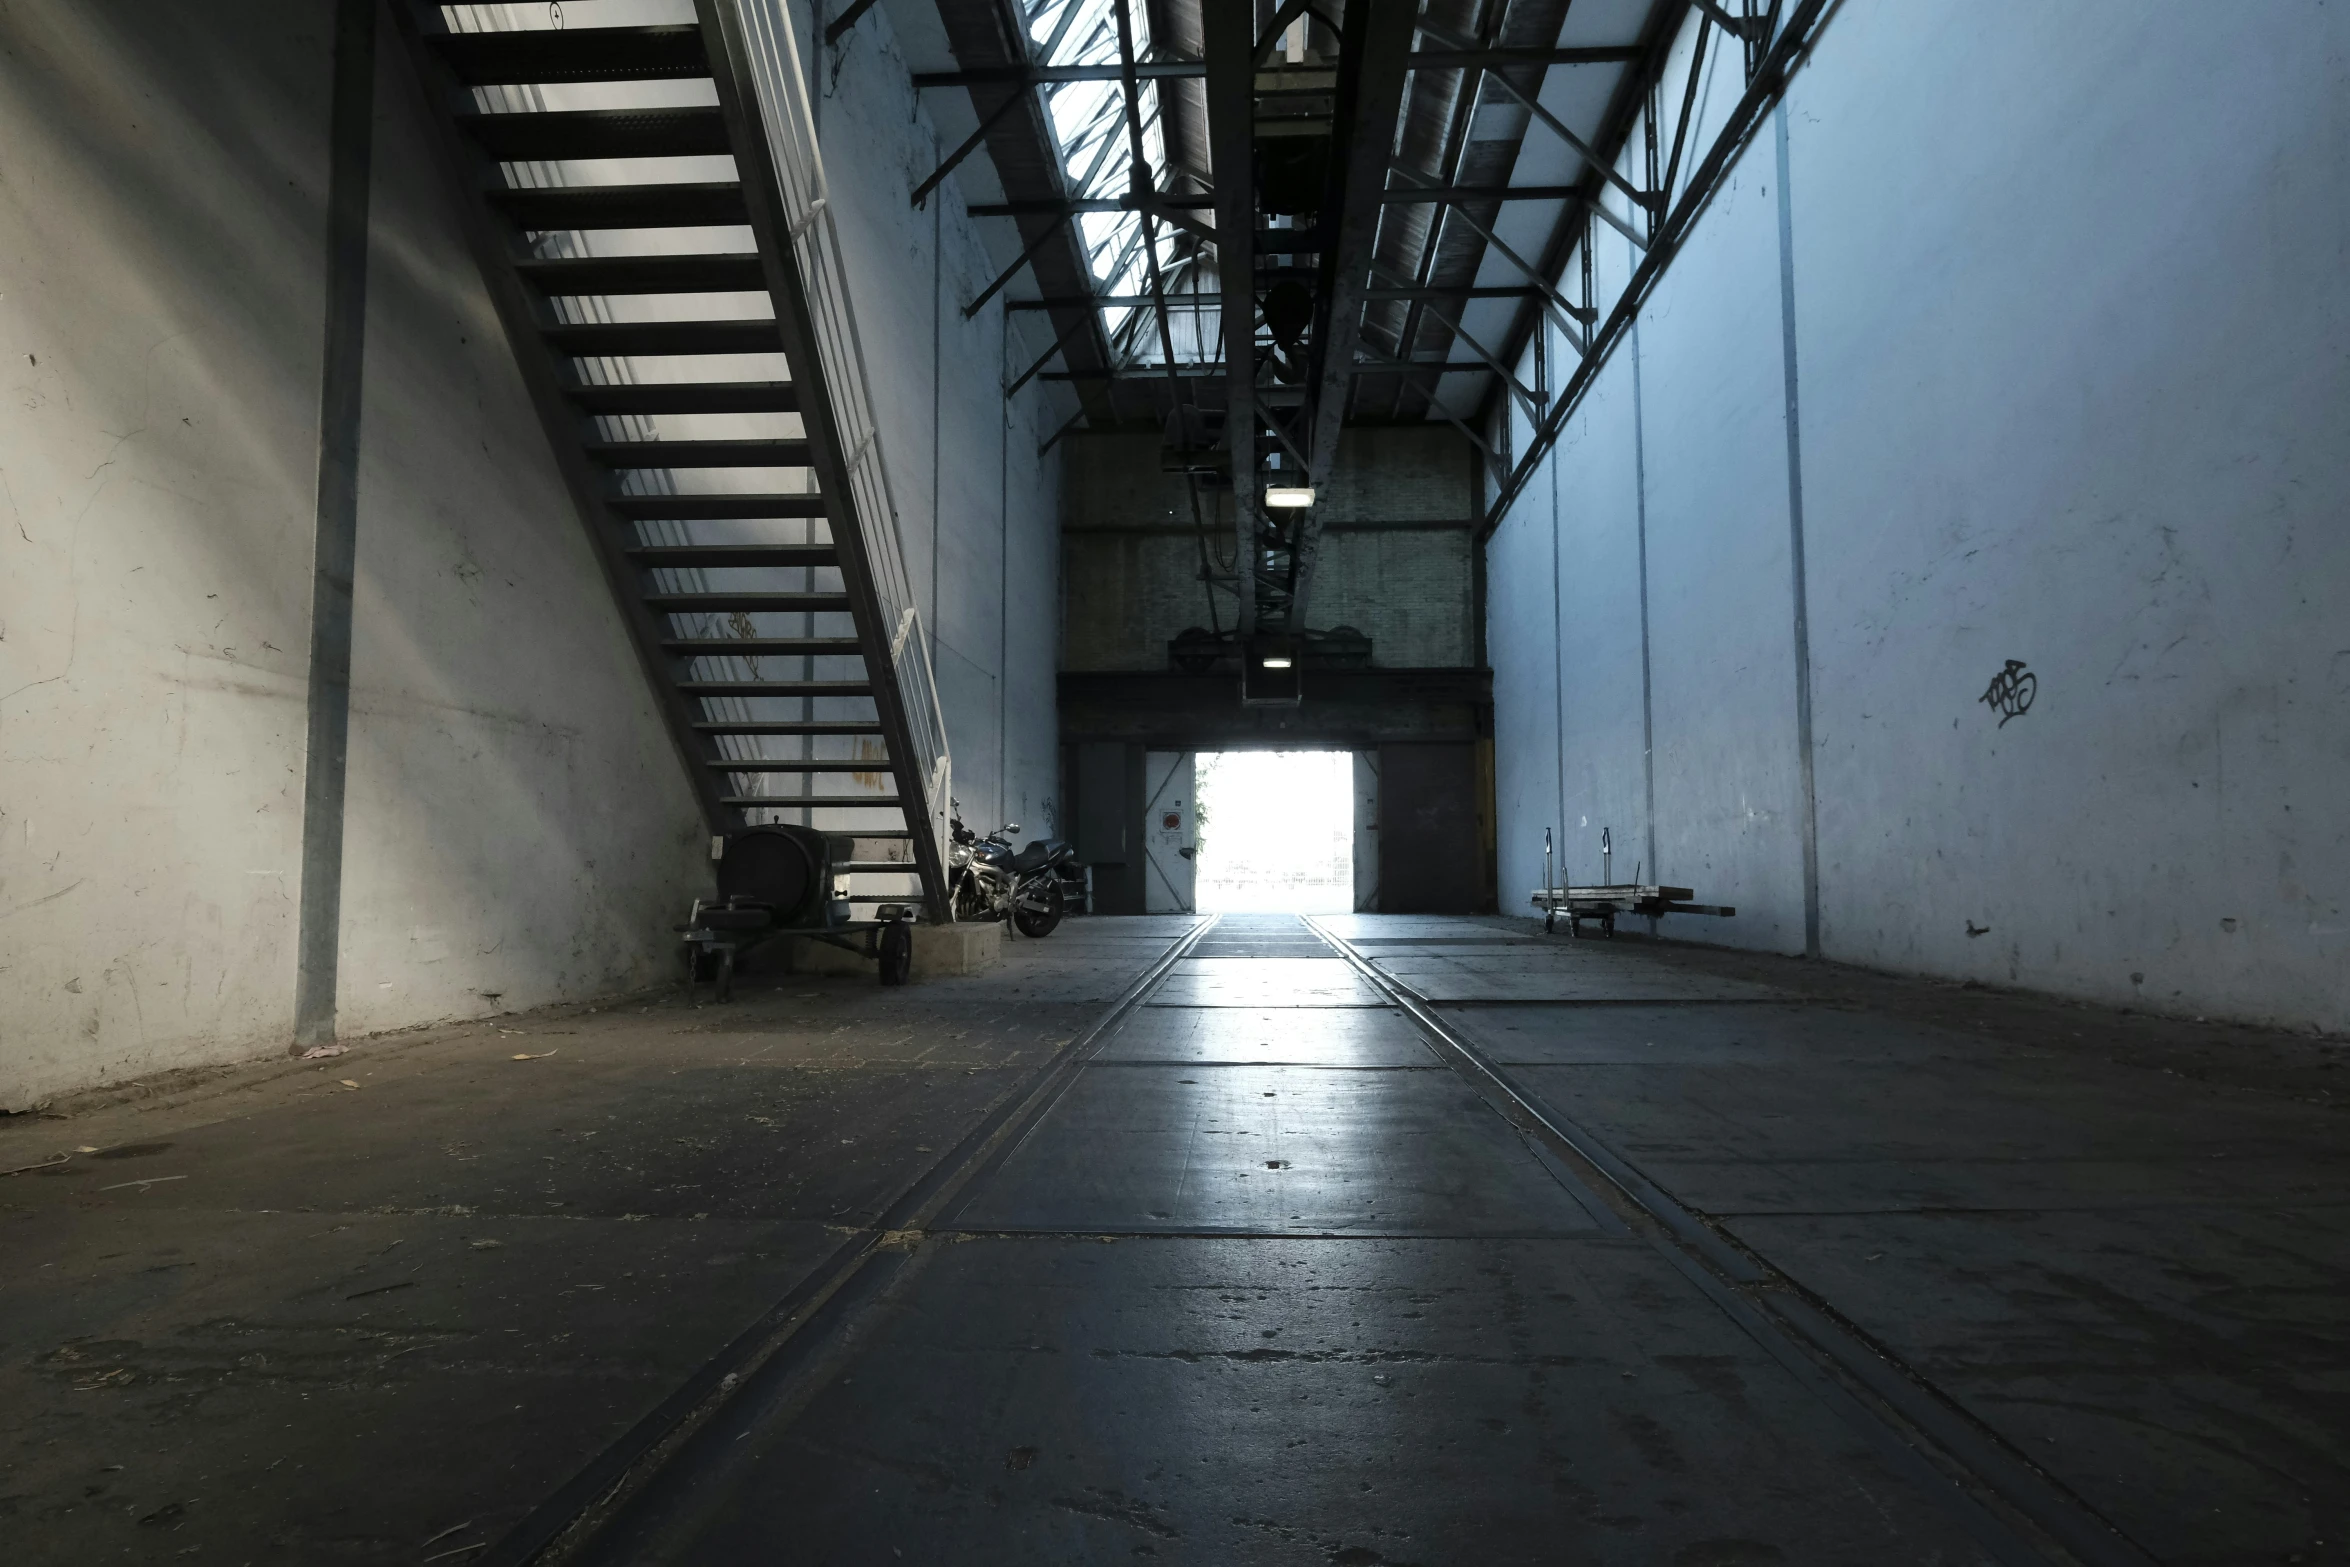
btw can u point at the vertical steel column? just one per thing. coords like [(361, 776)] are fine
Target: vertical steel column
[(319, 922), (1375, 46), (1230, 28)]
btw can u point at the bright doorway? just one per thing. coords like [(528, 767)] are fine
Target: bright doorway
[(1276, 831)]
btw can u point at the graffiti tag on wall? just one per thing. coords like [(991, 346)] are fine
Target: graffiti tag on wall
[(2011, 691)]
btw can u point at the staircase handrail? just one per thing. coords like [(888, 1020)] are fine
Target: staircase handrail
[(773, 57)]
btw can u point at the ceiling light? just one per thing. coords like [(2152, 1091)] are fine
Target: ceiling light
[(1288, 495), (1277, 662)]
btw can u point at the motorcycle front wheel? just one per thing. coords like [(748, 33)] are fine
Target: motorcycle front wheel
[(1040, 910)]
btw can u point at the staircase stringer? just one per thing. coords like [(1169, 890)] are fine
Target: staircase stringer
[(474, 175), (920, 770)]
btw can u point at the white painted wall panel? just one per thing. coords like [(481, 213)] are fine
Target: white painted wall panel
[(1721, 637), (1519, 607), (2063, 415), (1595, 470), (2075, 390)]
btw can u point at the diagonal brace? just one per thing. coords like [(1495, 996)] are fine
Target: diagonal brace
[(1565, 314), (1013, 270), (1492, 361), (970, 145)]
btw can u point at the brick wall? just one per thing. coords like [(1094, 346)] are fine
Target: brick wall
[(1130, 573)]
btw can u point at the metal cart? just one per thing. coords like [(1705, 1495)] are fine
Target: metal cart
[(780, 881), (1602, 904)]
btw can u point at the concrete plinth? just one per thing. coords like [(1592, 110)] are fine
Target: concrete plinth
[(956, 949), (939, 951)]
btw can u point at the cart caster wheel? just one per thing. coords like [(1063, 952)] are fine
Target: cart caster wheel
[(725, 975), (1607, 926), (897, 953), (1550, 922)]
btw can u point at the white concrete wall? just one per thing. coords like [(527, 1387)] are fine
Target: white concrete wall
[(2072, 336), (519, 828)]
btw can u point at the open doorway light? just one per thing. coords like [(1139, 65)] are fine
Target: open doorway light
[(1276, 831)]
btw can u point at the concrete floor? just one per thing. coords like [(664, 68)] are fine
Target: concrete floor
[(1258, 1273)]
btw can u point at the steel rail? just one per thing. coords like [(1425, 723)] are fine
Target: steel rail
[(741, 1381), (2013, 1508)]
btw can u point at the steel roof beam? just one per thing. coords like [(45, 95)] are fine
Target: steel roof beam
[(1477, 195), (1055, 209), (1567, 316), (1032, 75), (987, 122), (1454, 291), (1374, 59), (1013, 270), (1766, 84), (1447, 59), (1451, 318), (1229, 29), (1452, 151), (1188, 301), (1466, 57), (1559, 128), (1145, 198)]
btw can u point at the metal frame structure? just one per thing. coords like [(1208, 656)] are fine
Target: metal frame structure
[(1435, 284), (1771, 42), (1475, 61), (530, 224)]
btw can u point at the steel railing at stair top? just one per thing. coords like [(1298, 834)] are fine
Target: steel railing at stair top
[(773, 57)]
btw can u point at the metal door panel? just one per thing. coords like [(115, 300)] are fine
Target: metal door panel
[(1170, 836)]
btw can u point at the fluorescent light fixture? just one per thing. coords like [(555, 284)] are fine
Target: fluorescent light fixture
[(1277, 661), (1288, 495)]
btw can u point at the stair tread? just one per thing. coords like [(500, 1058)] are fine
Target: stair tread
[(575, 54), (685, 204), (757, 452), (732, 554), (771, 603), (762, 764), (711, 273), (811, 727), (776, 687), (687, 397), (749, 801), (877, 867), (707, 508), (549, 134), (620, 339), (762, 647), (831, 802)]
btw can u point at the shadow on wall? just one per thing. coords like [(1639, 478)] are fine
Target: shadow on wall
[(163, 174)]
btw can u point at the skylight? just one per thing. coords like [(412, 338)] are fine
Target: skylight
[(1090, 134)]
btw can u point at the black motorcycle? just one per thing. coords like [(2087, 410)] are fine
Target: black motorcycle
[(991, 882)]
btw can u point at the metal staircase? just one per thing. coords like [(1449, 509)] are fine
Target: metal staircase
[(648, 208)]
